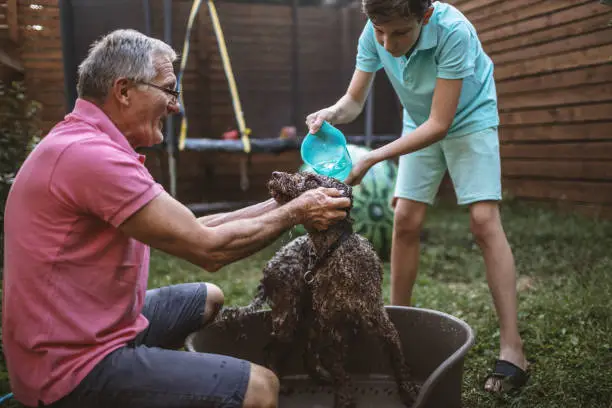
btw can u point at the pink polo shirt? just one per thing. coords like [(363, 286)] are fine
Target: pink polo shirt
[(74, 284)]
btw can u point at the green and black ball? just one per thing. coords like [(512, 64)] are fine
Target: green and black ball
[(372, 213)]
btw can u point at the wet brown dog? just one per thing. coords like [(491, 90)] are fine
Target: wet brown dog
[(325, 287)]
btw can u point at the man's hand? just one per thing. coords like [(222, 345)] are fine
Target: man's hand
[(320, 208), (316, 119)]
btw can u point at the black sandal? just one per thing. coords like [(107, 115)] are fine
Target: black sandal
[(511, 376)]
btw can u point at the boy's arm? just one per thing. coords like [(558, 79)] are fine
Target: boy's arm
[(351, 104), (443, 109)]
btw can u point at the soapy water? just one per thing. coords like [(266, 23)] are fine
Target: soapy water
[(328, 158), (338, 169)]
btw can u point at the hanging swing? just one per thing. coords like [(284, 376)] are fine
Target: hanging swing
[(244, 145)]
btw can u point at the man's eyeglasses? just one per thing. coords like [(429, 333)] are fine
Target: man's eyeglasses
[(174, 95)]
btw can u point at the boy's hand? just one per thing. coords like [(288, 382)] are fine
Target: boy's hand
[(315, 120), (359, 170)]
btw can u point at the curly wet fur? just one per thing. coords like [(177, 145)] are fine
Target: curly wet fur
[(343, 299)]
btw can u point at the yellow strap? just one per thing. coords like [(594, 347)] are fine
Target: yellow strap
[(192, 15), (244, 131)]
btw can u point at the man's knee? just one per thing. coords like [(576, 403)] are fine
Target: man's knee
[(214, 301), (263, 388), (484, 220), (408, 219)]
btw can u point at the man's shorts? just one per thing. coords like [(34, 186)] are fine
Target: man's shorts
[(147, 375), (472, 161)]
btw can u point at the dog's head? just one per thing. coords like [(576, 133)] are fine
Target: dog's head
[(284, 187)]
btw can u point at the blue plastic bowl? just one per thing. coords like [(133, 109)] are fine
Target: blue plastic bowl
[(326, 152)]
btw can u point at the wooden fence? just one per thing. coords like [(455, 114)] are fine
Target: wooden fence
[(35, 28), (10, 64), (260, 49), (553, 71)]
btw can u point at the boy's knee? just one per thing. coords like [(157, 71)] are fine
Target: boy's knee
[(263, 388), (408, 219), (484, 220), (214, 301)]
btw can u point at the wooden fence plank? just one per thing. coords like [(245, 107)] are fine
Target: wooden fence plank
[(495, 9), (556, 169), (566, 151), (45, 3), (573, 114), (562, 46), (557, 97), (467, 6), (47, 54), (581, 191), (532, 10), (554, 63), (591, 22), (557, 132), (523, 28), (12, 20), (595, 74)]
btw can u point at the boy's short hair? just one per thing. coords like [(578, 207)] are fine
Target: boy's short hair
[(381, 11)]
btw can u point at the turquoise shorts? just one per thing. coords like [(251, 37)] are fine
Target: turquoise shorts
[(472, 161)]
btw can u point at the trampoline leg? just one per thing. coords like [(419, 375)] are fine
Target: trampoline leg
[(172, 171), (244, 175)]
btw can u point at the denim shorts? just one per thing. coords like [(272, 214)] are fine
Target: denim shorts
[(148, 373), (472, 161)]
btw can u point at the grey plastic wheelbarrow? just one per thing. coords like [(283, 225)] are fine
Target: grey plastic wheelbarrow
[(434, 343)]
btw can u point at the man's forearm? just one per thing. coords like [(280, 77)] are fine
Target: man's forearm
[(240, 238), (252, 211)]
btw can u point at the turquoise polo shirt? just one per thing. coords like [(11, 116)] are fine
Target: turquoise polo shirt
[(448, 48)]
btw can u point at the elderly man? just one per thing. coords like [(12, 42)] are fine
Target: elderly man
[(79, 327)]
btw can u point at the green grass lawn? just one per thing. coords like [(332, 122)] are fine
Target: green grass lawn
[(565, 294)]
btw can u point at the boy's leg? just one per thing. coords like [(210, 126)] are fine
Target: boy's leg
[(474, 166), (418, 180), (405, 249), (501, 276)]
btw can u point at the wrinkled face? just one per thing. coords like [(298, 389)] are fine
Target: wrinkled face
[(398, 34), (149, 106), (284, 187)]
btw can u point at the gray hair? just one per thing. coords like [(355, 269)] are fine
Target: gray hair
[(121, 53)]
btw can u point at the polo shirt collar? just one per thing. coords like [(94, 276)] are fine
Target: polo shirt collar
[(90, 113), (429, 33)]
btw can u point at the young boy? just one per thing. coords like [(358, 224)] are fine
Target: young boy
[(435, 62)]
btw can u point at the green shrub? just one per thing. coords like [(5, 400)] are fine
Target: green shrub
[(19, 132)]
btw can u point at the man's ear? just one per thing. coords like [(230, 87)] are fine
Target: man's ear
[(121, 88)]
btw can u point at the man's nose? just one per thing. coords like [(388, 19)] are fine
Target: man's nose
[(174, 108)]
